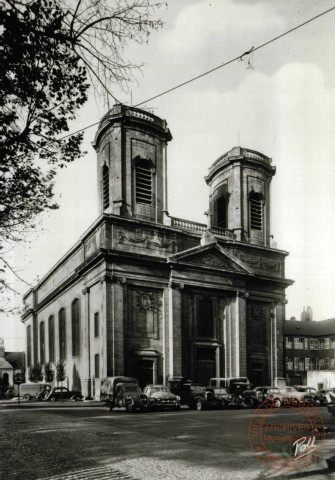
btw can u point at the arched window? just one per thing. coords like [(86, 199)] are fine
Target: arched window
[(62, 334), (143, 181), (221, 212), (256, 211), (42, 343), (51, 329), (105, 187), (75, 317), (28, 345)]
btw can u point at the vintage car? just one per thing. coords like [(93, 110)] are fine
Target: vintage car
[(192, 394), (62, 393), (331, 403), (290, 396), (312, 392), (123, 392), (259, 395), (324, 395), (160, 397), (222, 395), (236, 386), (11, 392)]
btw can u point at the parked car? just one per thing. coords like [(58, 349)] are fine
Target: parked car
[(62, 393), (312, 392), (160, 397), (331, 404), (290, 396), (236, 386), (11, 392), (222, 395), (259, 395), (243, 395), (123, 392), (192, 394), (33, 390), (324, 395)]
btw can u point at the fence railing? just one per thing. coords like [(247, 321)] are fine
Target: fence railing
[(200, 227)]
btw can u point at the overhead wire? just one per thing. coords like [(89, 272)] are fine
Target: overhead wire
[(225, 64)]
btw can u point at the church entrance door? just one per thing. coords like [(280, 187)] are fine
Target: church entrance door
[(205, 364), (145, 372), (258, 373)]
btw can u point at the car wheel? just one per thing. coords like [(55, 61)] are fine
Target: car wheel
[(130, 407), (276, 402), (251, 402), (52, 399), (199, 404), (26, 396)]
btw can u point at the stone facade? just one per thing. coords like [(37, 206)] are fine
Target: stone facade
[(148, 295)]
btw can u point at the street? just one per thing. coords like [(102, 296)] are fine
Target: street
[(77, 442)]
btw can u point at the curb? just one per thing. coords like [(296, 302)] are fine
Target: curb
[(42, 405)]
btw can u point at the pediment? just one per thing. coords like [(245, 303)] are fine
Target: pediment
[(213, 257)]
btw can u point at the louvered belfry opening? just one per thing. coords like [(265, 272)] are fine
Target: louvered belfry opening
[(256, 212), (143, 181), (105, 187), (221, 215)]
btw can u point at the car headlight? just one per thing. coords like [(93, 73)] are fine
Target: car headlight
[(177, 398), (158, 398)]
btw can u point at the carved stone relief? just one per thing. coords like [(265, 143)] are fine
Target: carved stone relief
[(214, 261), (145, 242), (146, 301), (260, 264)]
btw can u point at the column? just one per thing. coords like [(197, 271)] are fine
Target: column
[(238, 349), (87, 383), (175, 338), (117, 325), (277, 343)]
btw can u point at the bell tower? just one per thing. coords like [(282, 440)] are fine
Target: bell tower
[(131, 148), (239, 195)]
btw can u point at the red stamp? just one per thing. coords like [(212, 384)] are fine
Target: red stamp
[(286, 438)]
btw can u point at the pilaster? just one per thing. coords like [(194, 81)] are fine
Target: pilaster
[(87, 384), (115, 324), (175, 337)]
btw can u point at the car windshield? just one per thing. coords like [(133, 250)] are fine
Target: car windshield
[(198, 387), (158, 389)]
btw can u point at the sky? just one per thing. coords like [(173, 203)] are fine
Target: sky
[(279, 101)]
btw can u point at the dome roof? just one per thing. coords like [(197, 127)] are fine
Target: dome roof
[(240, 154)]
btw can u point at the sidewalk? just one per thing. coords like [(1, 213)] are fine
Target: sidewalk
[(26, 404)]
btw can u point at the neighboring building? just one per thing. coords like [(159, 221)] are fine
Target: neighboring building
[(152, 296), (307, 314), (12, 366), (310, 347)]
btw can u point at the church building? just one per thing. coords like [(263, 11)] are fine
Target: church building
[(148, 295)]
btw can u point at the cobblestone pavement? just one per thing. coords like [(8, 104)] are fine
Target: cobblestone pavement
[(89, 443)]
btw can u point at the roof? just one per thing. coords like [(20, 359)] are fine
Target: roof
[(307, 328), (4, 364), (16, 359)]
